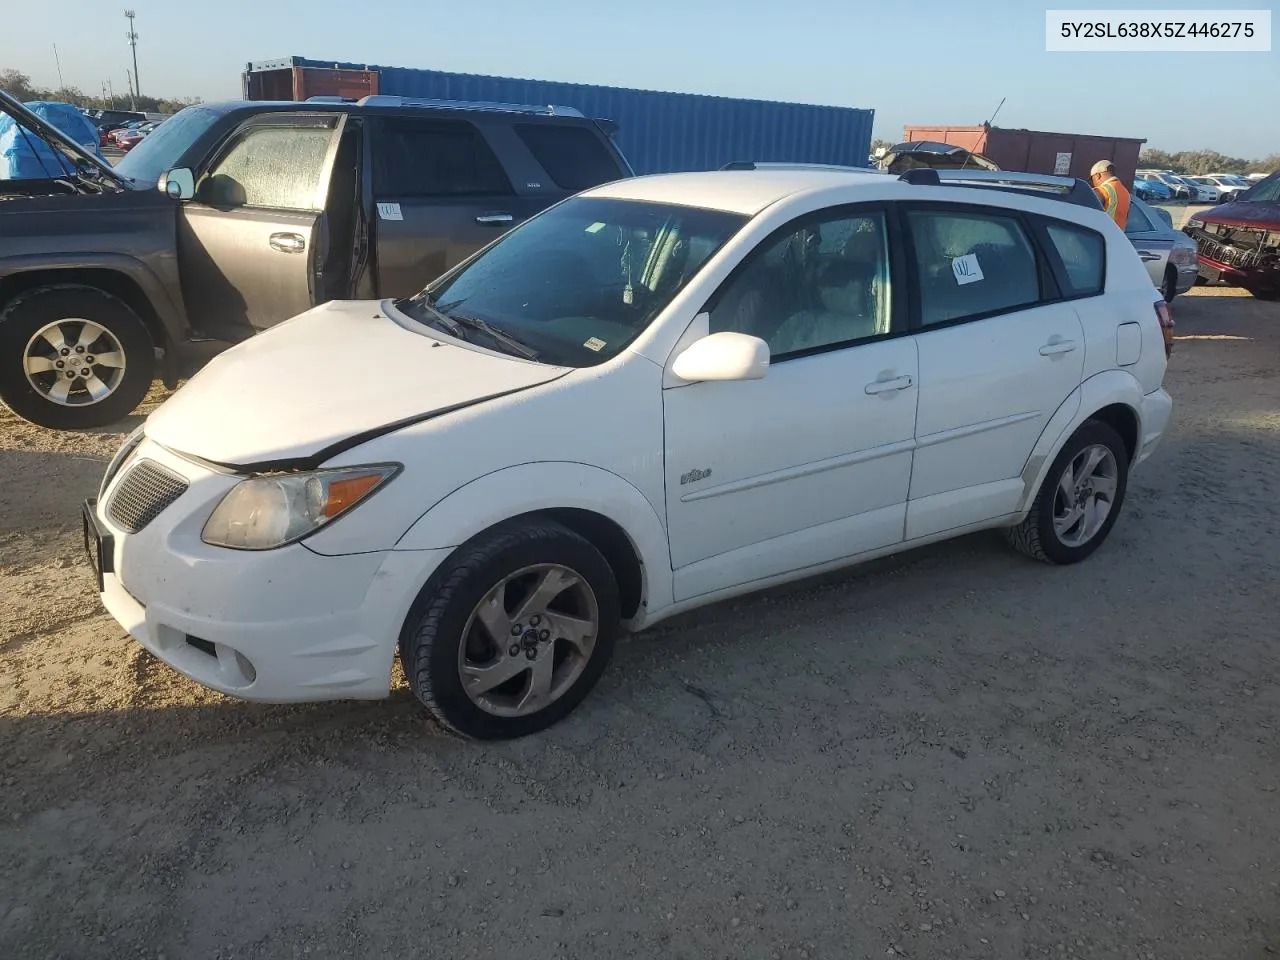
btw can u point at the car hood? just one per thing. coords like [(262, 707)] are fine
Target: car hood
[(1244, 213), (327, 380)]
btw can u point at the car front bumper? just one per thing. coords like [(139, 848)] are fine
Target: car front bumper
[(284, 625)]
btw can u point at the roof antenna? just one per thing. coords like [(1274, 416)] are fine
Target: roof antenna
[(987, 125)]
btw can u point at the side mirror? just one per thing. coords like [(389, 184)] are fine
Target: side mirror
[(723, 356), (179, 183), (1165, 215)]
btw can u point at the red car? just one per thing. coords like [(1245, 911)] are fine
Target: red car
[(1239, 242)]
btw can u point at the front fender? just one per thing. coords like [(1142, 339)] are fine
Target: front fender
[(1102, 390), (528, 488)]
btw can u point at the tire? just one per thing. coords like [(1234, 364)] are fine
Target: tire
[(443, 633), (1037, 535), (1169, 290), (1272, 294), (63, 310)]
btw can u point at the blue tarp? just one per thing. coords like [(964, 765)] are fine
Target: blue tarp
[(24, 156)]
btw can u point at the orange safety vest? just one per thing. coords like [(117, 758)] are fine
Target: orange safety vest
[(1115, 200)]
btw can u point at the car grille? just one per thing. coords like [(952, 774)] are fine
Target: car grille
[(143, 494), (1231, 256)]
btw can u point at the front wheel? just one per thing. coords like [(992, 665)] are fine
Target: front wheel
[(1080, 499), (73, 357), (513, 632)]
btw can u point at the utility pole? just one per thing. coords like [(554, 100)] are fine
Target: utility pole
[(133, 97), (132, 37), (61, 84), (111, 92)]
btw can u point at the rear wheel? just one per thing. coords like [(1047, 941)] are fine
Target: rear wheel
[(73, 357), (1169, 289), (1080, 499), (513, 632)]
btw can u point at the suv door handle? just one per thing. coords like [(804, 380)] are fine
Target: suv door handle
[(1148, 255), (288, 242), (888, 386), (1055, 347), (488, 219)]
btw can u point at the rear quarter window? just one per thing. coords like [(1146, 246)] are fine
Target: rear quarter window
[(575, 158), (1083, 253)]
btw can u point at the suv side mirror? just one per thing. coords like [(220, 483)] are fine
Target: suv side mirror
[(179, 183), (1164, 215), (723, 356)]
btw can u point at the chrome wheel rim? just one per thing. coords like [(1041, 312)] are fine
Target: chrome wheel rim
[(1085, 495), (74, 362), (528, 640)]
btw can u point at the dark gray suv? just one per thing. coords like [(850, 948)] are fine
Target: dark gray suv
[(232, 217)]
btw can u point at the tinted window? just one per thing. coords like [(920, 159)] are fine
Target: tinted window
[(435, 158), (970, 264), (274, 167), (580, 281), (822, 284), (1083, 254), (1267, 190), (574, 157), (1138, 221)]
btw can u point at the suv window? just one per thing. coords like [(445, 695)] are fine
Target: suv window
[(435, 158), (819, 285), (574, 157), (1083, 254), (971, 264), (274, 167)]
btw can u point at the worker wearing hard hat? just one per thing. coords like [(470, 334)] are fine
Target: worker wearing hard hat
[(1114, 197)]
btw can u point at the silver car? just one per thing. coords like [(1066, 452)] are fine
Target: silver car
[(1169, 254)]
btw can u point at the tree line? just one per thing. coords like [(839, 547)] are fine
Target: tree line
[(1196, 162), (18, 85)]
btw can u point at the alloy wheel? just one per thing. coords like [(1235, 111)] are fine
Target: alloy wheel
[(1085, 494), (74, 362)]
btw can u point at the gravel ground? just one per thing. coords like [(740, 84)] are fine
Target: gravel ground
[(956, 753)]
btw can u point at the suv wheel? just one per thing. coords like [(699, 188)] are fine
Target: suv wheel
[(1271, 294), (1080, 499), (513, 632), (73, 357)]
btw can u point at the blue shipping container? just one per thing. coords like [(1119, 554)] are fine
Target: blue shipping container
[(658, 132)]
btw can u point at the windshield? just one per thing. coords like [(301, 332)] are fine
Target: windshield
[(582, 280), (1266, 191), (161, 149)]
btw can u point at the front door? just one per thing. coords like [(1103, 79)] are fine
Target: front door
[(812, 463), (441, 195), (251, 242), (997, 360)]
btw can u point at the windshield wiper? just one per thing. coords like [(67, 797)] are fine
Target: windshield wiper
[(442, 320), (475, 323)]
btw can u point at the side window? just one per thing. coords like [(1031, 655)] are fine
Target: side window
[(822, 284), (1138, 222), (971, 263), (435, 158), (273, 167), (575, 158), (1083, 254)]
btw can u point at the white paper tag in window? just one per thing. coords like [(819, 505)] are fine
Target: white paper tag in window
[(967, 269), (389, 211), (595, 343)]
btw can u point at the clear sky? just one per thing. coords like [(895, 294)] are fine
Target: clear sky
[(912, 61)]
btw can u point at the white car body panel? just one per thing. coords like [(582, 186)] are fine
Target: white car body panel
[(720, 487)]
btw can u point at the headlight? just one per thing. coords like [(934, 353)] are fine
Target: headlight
[(1195, 224), (265, 512)]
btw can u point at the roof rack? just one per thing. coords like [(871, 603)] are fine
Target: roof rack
[(788, 165), (547, 110), (1070, 189)]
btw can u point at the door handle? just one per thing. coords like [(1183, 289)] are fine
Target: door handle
[(1055, 347), (288, 242), (1148, 255), (888, 386), (489, 219)]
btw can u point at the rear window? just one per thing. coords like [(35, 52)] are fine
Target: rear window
[(435, 158), (575, 158), (1083, 253)]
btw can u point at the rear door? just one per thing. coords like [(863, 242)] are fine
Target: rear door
[(250, 241), (1152, 244), (1000, 350), (441, 193)]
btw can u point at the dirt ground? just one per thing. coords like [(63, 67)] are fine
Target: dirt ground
[(956, 753)]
